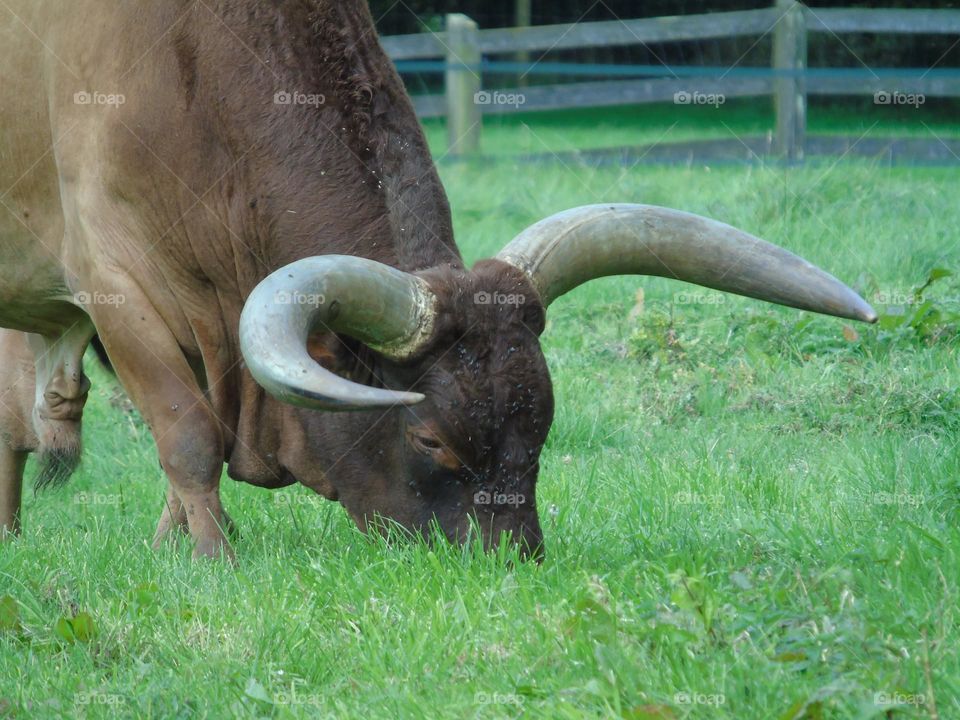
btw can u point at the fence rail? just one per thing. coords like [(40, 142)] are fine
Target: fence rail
[(462, 47), (892, 21), (595, 34)]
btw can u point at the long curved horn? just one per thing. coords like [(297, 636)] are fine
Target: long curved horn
[(574, 247), (390, 311)]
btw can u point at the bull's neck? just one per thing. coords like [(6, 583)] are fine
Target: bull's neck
[(348, 167)]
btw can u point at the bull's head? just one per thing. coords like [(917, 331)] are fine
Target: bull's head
[(459, 358)]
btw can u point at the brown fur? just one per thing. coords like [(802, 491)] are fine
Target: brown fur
[(182, 199)]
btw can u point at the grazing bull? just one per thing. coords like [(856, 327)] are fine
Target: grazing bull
[(237, 198)]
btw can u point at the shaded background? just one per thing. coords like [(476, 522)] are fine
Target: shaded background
[(410, 16)]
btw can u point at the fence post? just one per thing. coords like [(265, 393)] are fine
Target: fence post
[(464, 114), (523, 19), (790, 59)]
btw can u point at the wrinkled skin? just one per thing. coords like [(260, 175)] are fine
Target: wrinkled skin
[(152, 221)]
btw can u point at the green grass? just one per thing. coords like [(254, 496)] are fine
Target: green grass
[(741, 503), (655, 124)]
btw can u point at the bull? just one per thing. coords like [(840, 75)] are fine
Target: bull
[(236, 197)]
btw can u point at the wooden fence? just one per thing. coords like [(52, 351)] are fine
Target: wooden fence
[(463, 46)]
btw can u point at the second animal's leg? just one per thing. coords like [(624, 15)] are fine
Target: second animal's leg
[(16, 431), (11, 485)]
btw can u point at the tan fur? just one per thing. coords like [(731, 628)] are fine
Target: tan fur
[(149, 221)]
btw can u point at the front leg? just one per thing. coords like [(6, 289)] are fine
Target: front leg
[(174, 524), (152, 368), (173, 521)]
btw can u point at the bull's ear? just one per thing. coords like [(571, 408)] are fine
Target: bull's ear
[(324, 349), (514, 283), (535, 315), (345, 358)]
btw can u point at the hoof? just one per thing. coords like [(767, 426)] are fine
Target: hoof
[(169, 533), (218, 549)]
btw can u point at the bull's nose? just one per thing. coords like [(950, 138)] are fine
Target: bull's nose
[(531, 545), (536, 553)]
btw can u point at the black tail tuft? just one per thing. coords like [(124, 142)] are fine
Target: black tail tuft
[(55, 466)]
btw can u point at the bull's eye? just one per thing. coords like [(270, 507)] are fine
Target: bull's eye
[(426, 442), (429, 444)]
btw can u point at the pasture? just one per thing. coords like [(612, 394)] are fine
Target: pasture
[(750, 512)]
